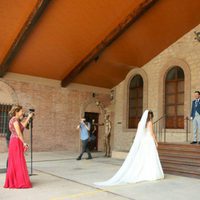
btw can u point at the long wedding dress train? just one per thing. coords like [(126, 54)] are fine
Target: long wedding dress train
[(142, 162)]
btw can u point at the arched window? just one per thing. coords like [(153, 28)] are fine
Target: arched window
[(174, 98), (135, 101)]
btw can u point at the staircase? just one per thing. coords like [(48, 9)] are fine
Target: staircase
[(180, 159)]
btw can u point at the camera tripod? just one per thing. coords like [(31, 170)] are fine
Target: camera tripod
[(31, 146)]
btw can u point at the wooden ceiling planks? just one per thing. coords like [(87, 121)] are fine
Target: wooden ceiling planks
[(23, 34), (109, 39)]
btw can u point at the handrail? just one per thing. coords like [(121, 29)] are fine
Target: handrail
[(159, 119), (187, 119), (158, 127), (159, 124)]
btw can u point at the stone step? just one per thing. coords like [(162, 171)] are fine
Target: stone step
[(175, 171), (180, 159), (179, 153), (184, 147), (180, 163), (181, 167)]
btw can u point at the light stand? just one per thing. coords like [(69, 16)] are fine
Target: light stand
[(31, 147), (31, 141)]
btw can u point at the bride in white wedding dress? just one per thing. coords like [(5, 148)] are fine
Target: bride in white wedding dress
[(142, 162)]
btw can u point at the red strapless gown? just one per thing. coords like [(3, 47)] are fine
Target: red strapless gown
[(17, 172)]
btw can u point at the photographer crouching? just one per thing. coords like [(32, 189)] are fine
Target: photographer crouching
[(84, 128)]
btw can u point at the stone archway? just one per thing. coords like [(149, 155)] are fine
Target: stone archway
[(7, 94), (94, 105), (7, 97)]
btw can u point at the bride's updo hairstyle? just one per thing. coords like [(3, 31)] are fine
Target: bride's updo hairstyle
[(14, 109)]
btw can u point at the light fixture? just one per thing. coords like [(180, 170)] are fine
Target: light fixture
[(111, 95), (96, 58), (97, 103), (197, 34)]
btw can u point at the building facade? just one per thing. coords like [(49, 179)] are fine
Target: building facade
[(165, 85)]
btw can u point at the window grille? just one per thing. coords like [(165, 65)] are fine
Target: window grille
[(4, 119)]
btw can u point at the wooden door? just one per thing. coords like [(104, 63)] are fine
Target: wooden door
[(174, 98), (93, 145)]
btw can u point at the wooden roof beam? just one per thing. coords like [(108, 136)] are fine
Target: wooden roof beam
[(23, 34), (109, 39)]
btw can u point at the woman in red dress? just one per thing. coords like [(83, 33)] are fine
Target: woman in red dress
[(17, 172)]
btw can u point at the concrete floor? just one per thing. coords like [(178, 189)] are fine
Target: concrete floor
[(59, 176)]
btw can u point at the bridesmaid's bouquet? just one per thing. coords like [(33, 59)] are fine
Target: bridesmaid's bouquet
[(26, 147)]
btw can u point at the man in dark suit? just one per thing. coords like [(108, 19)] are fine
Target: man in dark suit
[(195, 116)]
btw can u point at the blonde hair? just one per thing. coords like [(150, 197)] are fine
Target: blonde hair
[(14, 109)]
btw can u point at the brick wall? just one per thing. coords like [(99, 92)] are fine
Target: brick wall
[(57, 109)]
